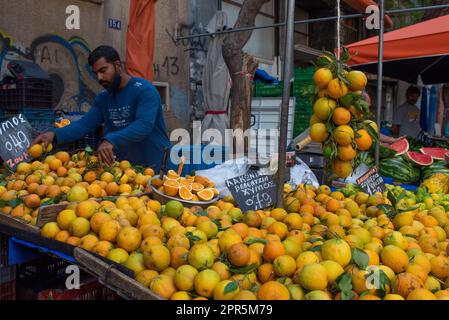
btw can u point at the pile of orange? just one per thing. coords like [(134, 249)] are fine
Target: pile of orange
[(61, 176), (189, 188), (306, 251), (341, 118)]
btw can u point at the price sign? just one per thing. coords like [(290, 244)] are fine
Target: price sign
[(371, 181), (253, 191), (16, 135)]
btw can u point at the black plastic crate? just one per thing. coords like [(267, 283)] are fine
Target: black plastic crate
[(34, 93), (41, 273)]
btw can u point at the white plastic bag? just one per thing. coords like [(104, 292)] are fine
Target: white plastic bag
[(301, 173), (227, 170)]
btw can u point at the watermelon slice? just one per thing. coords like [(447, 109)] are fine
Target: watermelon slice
[(400, 146), (419, 158), (436, 153)]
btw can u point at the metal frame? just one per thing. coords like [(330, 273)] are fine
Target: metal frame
[(287, 74)]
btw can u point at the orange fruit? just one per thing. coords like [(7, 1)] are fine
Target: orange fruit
[(32, 201), (343, 135), (171, 187), (238, 254), (185, 194), (363, 140), (323, 108), (35, 151), (205, 195), (273, 290), (196, 187), (63, 156), (171, 174), (341, 116), (342, 169), (337, 89), (357, 80), (322, 77), (318, 132), (346, 153), (272, 250), (112, 188)]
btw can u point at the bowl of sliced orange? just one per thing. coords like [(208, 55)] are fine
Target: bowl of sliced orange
[(189, 190)]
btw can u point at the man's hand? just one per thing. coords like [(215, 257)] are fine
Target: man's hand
[(106, 153), (45, 138)]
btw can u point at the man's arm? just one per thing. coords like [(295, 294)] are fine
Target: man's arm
[(78, 129), (147, 107)]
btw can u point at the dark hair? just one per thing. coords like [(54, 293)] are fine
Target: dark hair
[(413, 90), (109, 53)]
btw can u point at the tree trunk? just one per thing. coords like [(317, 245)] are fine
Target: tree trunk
[(430, 14), (235, 61)]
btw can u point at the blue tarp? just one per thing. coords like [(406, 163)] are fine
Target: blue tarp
[(22, 251)]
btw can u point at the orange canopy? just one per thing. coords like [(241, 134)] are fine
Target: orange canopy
[(140, 39), (428, 38), (419, 49)]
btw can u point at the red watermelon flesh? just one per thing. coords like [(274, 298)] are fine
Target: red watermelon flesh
[(400, 146), (436, 153), (419, 158)]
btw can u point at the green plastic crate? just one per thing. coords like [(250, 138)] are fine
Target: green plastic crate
[(268, 90), (304, 74)]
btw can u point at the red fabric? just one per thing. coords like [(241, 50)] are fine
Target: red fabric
[(140, 39), (361, 5), (428, 38), (216, 112)]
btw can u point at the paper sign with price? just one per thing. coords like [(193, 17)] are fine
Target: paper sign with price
[(371, 181), (253, 191), (16, 135)]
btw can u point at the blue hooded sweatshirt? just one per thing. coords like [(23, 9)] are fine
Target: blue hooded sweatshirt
[(133, 123)]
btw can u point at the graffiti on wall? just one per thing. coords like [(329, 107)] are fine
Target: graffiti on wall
[(75, 86)]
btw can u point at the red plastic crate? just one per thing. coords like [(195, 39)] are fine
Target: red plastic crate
[(3, 250), (8, 290), (88, 291)]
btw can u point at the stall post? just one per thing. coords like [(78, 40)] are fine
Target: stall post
[(287, 75), (380, 74)]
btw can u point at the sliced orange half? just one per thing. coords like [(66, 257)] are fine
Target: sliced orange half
[(185, 193), (171, 174), (196, 187), (205, 194), (171, 187), (215, 191)]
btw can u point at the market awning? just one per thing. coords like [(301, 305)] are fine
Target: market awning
[(361, 5), (140, 39), (418, 50)]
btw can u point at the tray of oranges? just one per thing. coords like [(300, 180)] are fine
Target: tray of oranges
[(190, 190)]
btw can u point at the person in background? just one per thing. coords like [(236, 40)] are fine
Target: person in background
[(131, 111), (383, 138), (406, 117)]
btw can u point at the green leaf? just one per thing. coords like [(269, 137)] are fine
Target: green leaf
[(315, 249), (364, 293), (360, 258), (14, 203), (185, 256), (256, 240), (89, 150), (344, 284), (201, 214), (372, 133), (386, 208), (243, 270), (192, 238), (230, 287), (315, 240)]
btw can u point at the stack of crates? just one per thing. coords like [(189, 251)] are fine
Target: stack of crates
[(304, 91), (268, 90)]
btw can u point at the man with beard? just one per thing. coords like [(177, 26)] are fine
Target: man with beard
[(131, 111)]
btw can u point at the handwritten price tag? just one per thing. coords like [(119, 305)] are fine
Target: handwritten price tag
[(253, 191), (16, 135)]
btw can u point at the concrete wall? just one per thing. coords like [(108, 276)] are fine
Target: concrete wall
[(171, 58), (35, 30)]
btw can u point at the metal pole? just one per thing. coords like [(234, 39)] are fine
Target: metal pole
[(219, 5), (281, 24), (380, 74), (288, 75)]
